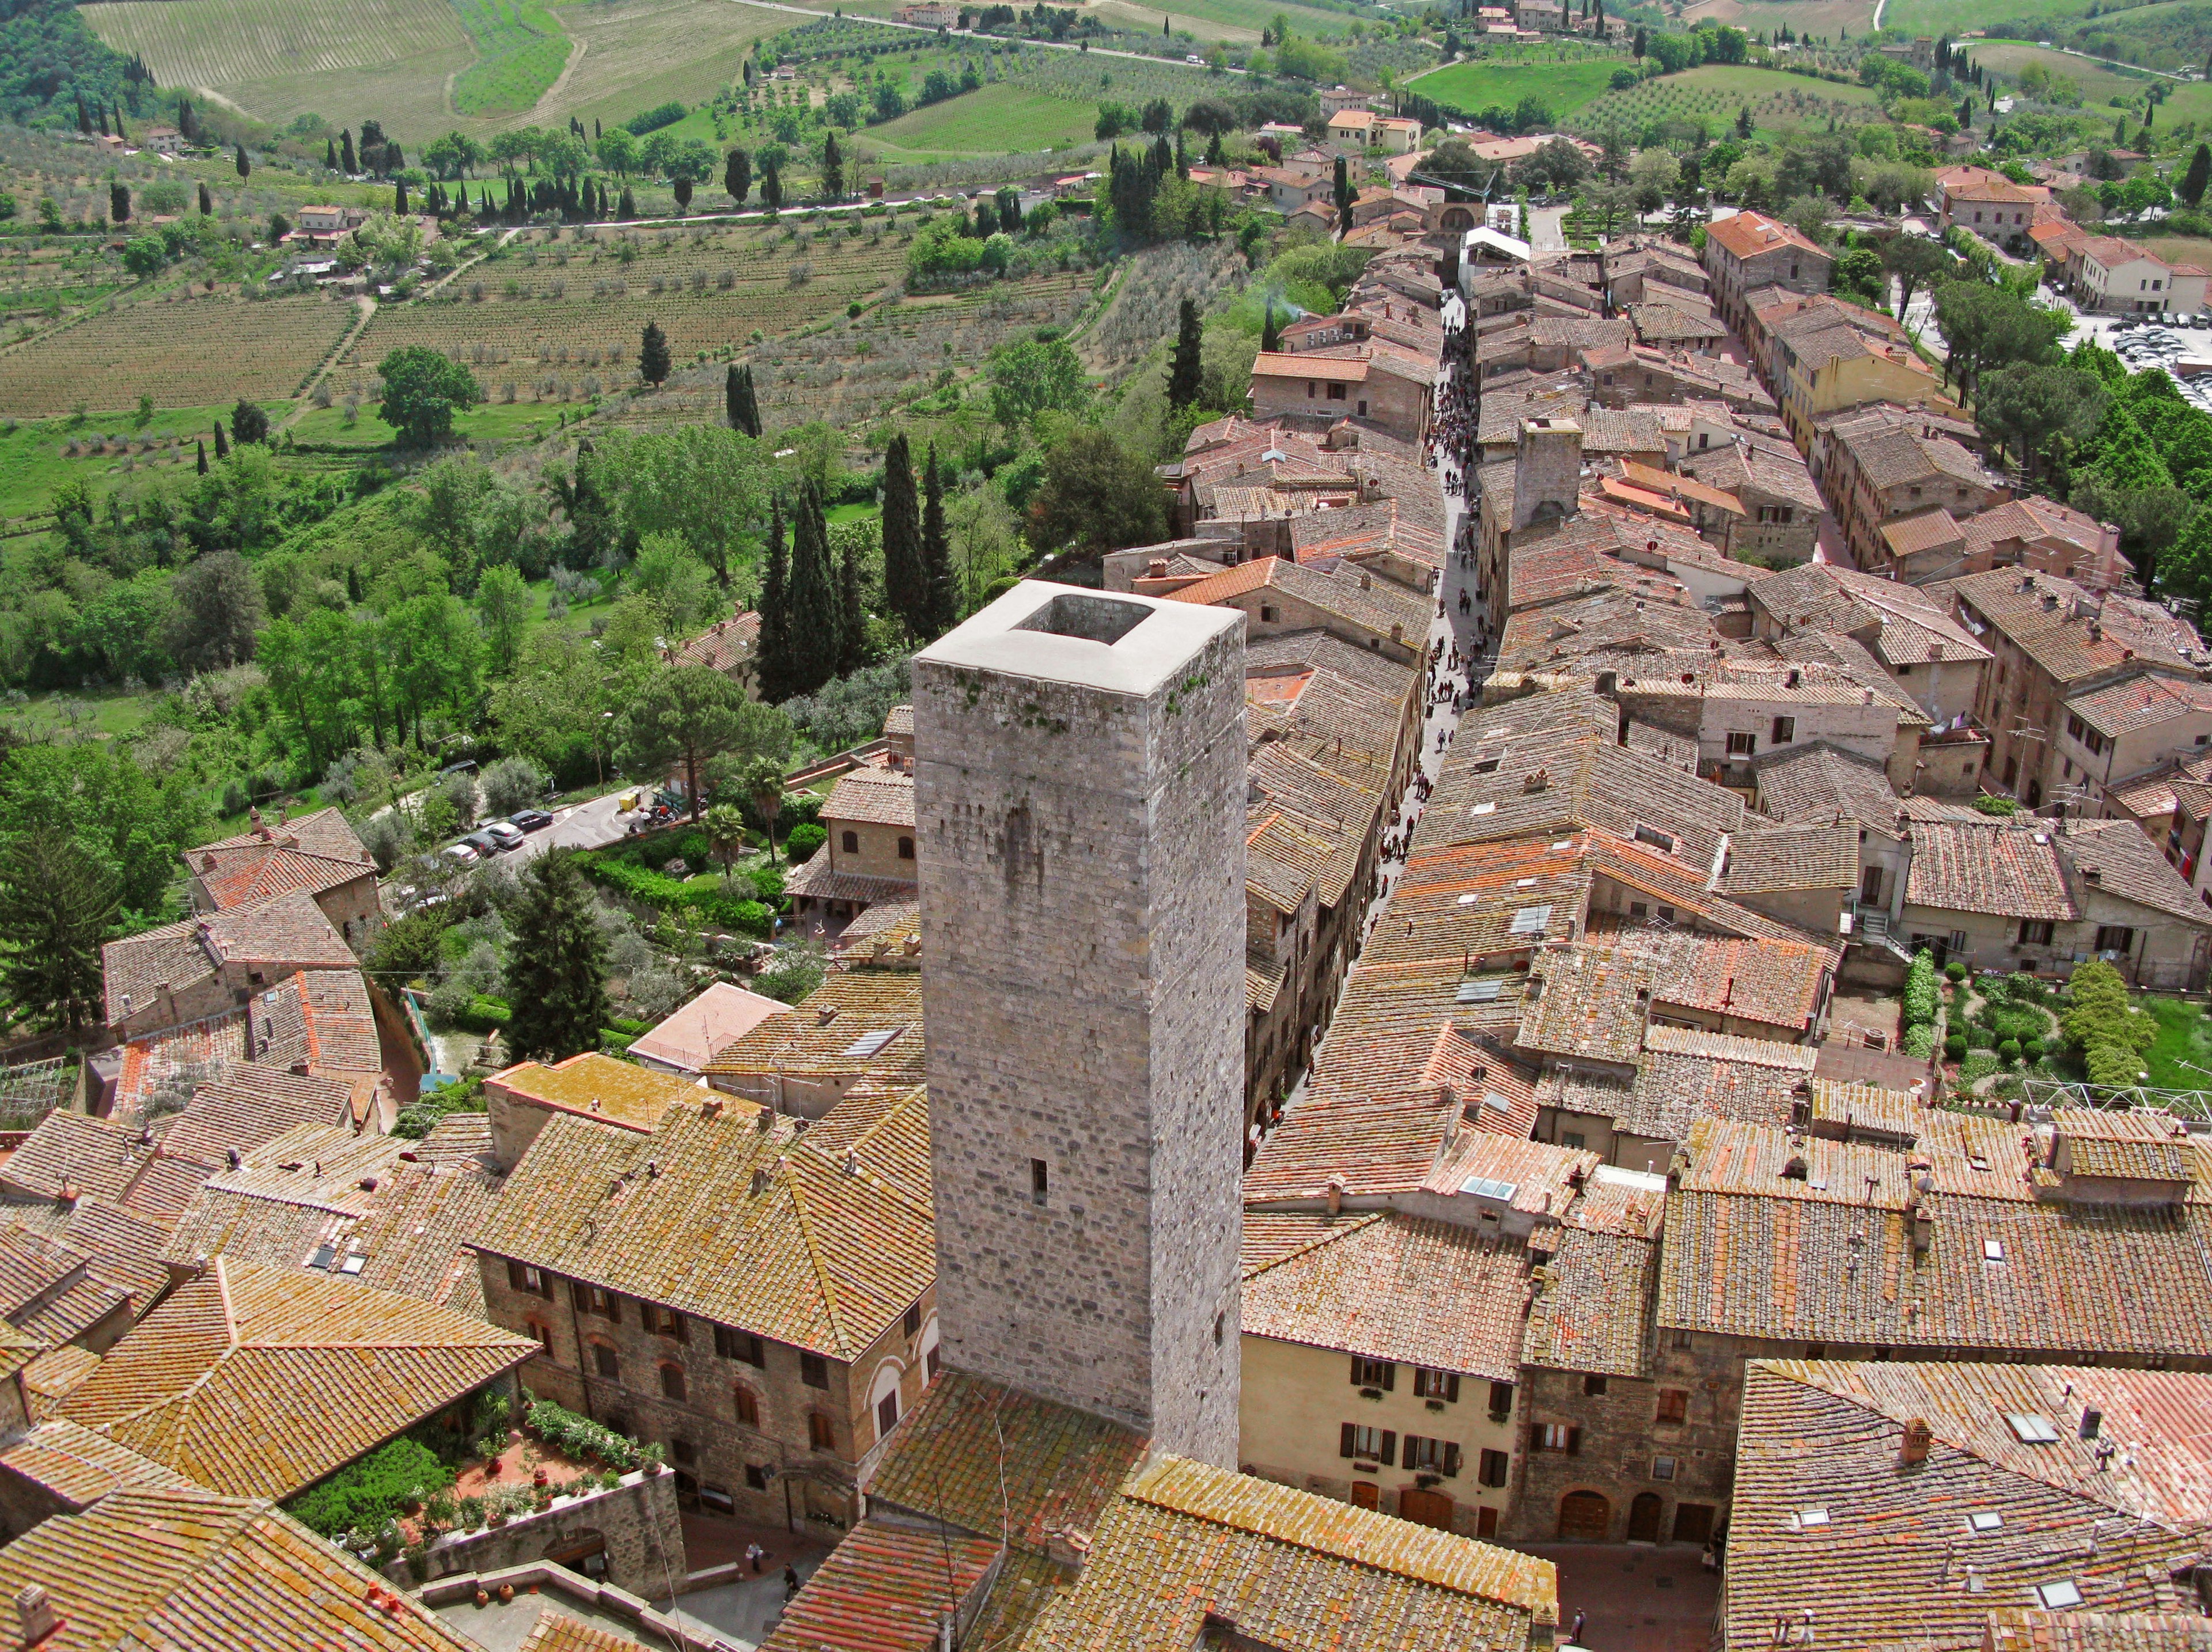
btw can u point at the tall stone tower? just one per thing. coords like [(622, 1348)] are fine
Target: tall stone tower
[(1080, 776)]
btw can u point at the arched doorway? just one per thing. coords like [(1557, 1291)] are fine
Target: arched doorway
[(581, 1552), (1425, 1507), (1585, 1517), (1644, 1516), (1456, 218)]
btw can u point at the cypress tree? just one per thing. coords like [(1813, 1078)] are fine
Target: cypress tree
[(245, 167), (222, 445), (833, 168), (1271, 336), (118, 203), (345, 152), (815, 643), (653, 359), (202, 447), (399, 198), (943, 608), (852, 613), (629, 207), (330, 156), (1186, 377), (559, 986), (746, 414), (352, 582), (775, 664), (905, 592), (733, 407), (738, 175), (2198, 175)]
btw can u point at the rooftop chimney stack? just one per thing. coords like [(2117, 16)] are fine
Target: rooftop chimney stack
[(1917, 1438), (1547, 470)]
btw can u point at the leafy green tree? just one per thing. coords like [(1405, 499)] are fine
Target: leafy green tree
[(248, 422), (684, 715), (145, 256), (652, 358), (134, 823), (57, 903), (738, 176), (699, 481), (503, 609), (1095, 496), (424, 388), (1988, 327), (216, 609), (905, 590), (1914, 260), (1034, 377), (2030, 406), (436, 652), (557, 969)]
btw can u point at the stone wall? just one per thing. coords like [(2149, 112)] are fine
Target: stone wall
[(1082, 886), (636, 1522), (1622, 1453)]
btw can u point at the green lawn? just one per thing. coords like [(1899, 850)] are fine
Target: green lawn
[(2098, 81), (1001, 119), (2182, 1058), (850, 513), (493, 422), (106, 713), (1956, 17), (1474, 86), (34, 461)]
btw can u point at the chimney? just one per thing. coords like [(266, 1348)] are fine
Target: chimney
[(1335, 1196), (1914, 1449), (825, 1014), (2091, 1421), (1923, 1229), (35, 1614)]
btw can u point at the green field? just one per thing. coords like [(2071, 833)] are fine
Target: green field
[(2182, 1057), (2097, 81), (1238, 21), (1715, 91), (35, 460), (1004, 118), (1956, 17), (520, 52), (1566, 85), (1829, 19)]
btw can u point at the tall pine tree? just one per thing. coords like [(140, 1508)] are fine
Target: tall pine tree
[(652, 358), (776, 668), (738, 175), (943, 609), (1186, 372), (2198, 175), (558, 983), (346, 162), (905, 591), (1271, 336), (57, 905), (743, 405)]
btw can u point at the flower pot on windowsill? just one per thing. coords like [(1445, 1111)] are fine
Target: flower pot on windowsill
[(1428, 1482)]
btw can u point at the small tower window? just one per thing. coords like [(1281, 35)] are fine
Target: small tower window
[(1040, 1181)]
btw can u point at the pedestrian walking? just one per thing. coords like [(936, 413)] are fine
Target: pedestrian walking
[(790, 1583)]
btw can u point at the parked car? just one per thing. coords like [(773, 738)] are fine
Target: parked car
[(484, 844), (460, 854), (530, 820), (466, 766), (503, 833)]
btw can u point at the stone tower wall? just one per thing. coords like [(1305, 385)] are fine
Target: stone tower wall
[(1082, 869)]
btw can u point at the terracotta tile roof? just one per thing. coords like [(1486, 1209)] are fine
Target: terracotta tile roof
[(189, 1572), (277, 936), (2033, 517), (2012, 871), (1188, 1549), (1749, 233), (2025, 1629), (94, 1156), (124, 1246), (2123, 1147), (1819, 781), (77, 1468), (1752, 1252), (873, 797), (1811, 856), (557, 1631), (1587, 1002), (815, 879), (2068, 632), (710, 1023), (48, 1290), (1592, 1302), (2140, 702), (1390, 1286), (162, 1070), (1860, 1109), (1373, 605), (54, 1376), (326, 1369), (1931, 530), (829, 1034), (786, 1237), (1683, 1077), (884, 1588), (250, 1105), (2114, 856), (600, 1087), (314, 853), (320, 1194), (1901, 1544), (320, 1019), (883, 933), (725, 645), (988, 1460)]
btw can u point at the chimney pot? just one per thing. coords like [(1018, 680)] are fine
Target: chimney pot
[(35, 1614), (1917, 1438)]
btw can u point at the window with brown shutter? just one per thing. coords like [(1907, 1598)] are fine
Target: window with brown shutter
[(821, 1432), (1435, 1384), (606, 1361), (814, 1370), (1490, 1469), (748, 1407), (1673, 1405), (1373, 1374), (672, 1386)]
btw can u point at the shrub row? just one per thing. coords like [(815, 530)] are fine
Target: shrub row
[(580, 1438)]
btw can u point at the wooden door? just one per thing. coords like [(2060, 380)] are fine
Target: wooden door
[(1693, 1522), (1486, 1523), (1644, 1517), (1365, 1495), (1585, 1517), (1425, 1507)]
